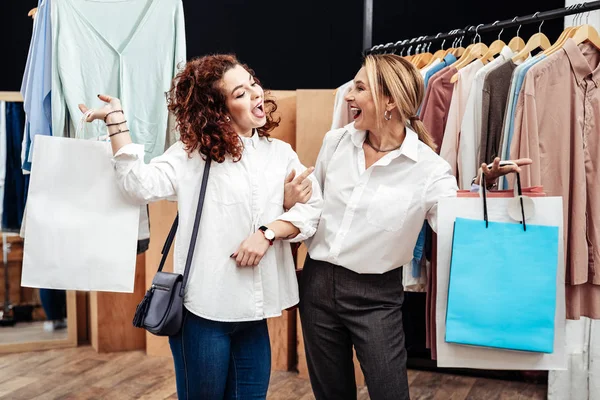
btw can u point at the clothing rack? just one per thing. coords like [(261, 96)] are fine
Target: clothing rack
[(484, 28)]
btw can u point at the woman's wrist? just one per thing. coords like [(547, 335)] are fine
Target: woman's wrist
[(114, 118)]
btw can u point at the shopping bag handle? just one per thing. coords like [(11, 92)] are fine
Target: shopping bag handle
[(81, 126), (518, 193), (79, 133)]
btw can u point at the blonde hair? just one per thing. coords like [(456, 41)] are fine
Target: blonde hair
[(393, 76)]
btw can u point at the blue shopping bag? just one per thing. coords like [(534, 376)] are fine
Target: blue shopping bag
[(502, 288)]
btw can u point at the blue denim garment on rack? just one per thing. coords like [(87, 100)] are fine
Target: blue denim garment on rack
[(418, 252), (15, 184)]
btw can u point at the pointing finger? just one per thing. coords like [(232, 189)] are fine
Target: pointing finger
[(305, 174)]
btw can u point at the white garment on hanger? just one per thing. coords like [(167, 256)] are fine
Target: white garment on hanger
[(427, 68), (341, 111), (126, 49), (470, 132)]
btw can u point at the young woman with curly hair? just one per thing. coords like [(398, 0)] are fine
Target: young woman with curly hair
[(238, 277)]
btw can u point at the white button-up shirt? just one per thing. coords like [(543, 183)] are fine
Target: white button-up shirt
[(372, 217), (241, 196)]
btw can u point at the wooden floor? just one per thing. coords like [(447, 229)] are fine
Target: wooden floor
[(81, 373), (25, 332)]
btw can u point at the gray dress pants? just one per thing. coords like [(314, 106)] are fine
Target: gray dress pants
[(340, 309)]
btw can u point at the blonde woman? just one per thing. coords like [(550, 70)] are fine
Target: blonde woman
[(381, 178)]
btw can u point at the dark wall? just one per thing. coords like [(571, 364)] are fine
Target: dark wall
[(294, 44)]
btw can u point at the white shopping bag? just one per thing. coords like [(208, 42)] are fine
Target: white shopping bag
[(548, 211), (81, 232)]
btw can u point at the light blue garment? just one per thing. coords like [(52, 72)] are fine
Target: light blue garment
[(418, 252), (37, 81), (126, 49), (516, 85), (448, 60), (502, 287)]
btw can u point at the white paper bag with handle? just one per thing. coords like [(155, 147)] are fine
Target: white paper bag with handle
[(548, 211), (81, 232)]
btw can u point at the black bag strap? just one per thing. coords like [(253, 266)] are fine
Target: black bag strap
[(168, 243), (519, 193)]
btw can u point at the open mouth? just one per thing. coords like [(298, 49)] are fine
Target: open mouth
[(355, 112), (259, 111)]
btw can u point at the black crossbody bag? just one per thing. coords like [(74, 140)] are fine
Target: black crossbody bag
[(161, 310)]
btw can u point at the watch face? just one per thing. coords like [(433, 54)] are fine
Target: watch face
[(269, 234)]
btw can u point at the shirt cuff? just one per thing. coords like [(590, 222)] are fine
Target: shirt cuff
[(306, 229), (126, 157), (474, 187)]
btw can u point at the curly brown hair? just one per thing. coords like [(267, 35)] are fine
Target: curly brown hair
[(199, 106)]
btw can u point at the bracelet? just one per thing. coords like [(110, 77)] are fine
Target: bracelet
[(116, 133), (112, 112), (117, 123)]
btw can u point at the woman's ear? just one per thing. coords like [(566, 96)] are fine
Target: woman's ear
[(390, 105)]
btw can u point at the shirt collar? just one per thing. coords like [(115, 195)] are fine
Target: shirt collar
[(579, 64), (507, 52), (251, 141), (409, 148)]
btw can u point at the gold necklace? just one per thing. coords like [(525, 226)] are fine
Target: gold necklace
[(376, 149)]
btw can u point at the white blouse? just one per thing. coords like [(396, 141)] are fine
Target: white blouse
[(372, 217), (241, 196)]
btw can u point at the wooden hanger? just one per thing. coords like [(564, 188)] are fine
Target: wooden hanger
[(425, 59), (538, 40), (452, 48), (516, 43), (496, 47), (473, 52), (567, 33), (476, 52), (587, 33), (438, 55)]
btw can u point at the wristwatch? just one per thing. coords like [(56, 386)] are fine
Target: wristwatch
[(269, 234)]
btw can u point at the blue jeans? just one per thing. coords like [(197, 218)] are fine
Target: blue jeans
[(54, 303), (221, 360)]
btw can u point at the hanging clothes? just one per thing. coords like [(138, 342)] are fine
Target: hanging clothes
[(470, 133), (426, 69), (434, 112), (456, 112), (37, 82), (94, 54), (342, 115), (511, 105), (448, 60), (556, 125), (495, 93), (15, 183)]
